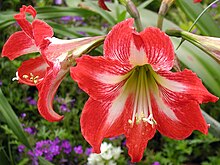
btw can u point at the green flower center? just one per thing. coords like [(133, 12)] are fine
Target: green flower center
[(140, 81)]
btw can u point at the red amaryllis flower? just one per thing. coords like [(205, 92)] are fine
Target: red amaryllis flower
[(103, 5), (46, 71), (197, 1), (133, 92)]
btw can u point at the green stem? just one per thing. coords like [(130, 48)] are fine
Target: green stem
[(197, 19), (201, 14), (160, 21), (134, 13), (214, 124)]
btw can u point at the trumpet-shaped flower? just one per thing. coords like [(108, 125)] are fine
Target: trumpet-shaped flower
[(47, 71), (133, 92), (210, 45)]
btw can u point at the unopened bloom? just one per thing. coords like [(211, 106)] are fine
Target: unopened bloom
[(133, 92), (197, 1), (210, 45), (103, 5), (48, 70)]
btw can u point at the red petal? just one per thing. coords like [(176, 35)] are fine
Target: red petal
[(59, 49), (41, 30), (18, 44), (28, 9), (189, 118), (23, 22), (101, 78), (159, 48), (118, 41), (32, 71), (192, 87), (176, 106), (47, 89), (103, 5), (94, 122), (137, 139)]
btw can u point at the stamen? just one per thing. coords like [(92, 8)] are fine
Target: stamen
[(142, 111), (25, 76), (33, 78)]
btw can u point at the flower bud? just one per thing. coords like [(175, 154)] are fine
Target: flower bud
[(210, 45)]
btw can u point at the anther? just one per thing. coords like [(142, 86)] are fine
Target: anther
[(25, 76)]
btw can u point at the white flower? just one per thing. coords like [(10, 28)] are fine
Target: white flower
[(116, 152), (108, 156)]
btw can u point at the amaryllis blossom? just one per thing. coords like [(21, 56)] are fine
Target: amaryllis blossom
[(133, 92), (197, 1), (47, 71), (103, 5)]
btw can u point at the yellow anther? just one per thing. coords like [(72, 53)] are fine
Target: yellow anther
[(25, 76), (33, 78), (130, 121)]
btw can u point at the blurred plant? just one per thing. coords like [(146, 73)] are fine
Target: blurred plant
[(109, 155)]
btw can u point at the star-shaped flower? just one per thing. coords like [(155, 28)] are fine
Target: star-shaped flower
[(133, 92)]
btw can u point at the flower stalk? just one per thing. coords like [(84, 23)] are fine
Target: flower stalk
[(214, 124), (134, 13), (164, 7)]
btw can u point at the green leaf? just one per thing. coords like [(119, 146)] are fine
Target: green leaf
[(56, 12), (105, 14), (145, 4), (3, 157), (206, 24), (43, 161), (12, 120)]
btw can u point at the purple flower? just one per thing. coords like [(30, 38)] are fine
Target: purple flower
[(0, 83), (33, 157), (31, 130), (82, 33), (72, 102), (214, 5), (23, 115), (77, 19), (156, 163), (113, 138), (64, 108), (47, 148), (78, 149), (88, 151), (66, 19), (66, 146), (58, 2), (21, 148), (105, 25), (124, 143), (31, 101)]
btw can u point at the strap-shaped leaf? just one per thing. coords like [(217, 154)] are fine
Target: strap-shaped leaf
[(12, 120), (206, 24)]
